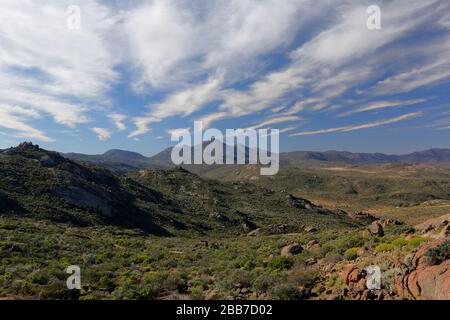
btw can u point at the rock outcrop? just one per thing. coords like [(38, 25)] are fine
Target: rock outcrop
[(425, 281), (291, 249)]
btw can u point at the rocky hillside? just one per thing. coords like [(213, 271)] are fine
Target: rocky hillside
[(44, 184)]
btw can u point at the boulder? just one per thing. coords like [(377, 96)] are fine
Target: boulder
[(313, 244), (212, 295), (346, 272), (311, 229), (425, 281), (446, 231), (291, 249), (430, 283), (254, 233), (360, 285), (376, 229), (419, 258), (356, 275)]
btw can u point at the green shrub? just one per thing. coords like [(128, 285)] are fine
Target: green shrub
[(438, 254), (399, 242), (351, 253), (279, 263), (417, 241), (285, 291), (39, 277), (384, 247)]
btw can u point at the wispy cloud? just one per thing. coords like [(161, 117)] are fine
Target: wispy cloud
[(377, 105), (360, 126), (118, 120), (182, 103), (50, 69), (276, 120), (14, 118), (102, 133), (215, 60)]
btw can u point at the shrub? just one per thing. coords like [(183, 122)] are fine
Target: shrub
[(264, 282), (399, 242), (279, 263), (384, 247), (351, 254), (39, 277), (438, 254), (285, 292), (417, 241)]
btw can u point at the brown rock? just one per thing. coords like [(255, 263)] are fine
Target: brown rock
[(400, 287), (346, 272), (355, 275), (366, 295), (376, 229), (313, 244), (211, 295), (365, 233), (419, 256), (425, 282), (361, 285), (446, 231), (431, 283)]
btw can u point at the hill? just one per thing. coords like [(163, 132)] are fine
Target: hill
[(126, 161), (46, 185)]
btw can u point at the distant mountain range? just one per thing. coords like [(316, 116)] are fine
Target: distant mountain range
[(427, 156), (127, 159)]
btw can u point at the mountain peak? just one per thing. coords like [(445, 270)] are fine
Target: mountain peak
[(123, 154), (22, 148)]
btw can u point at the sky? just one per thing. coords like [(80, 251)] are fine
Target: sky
[(87, 76)]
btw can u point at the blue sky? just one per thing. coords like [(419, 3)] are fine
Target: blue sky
[(135, 70)]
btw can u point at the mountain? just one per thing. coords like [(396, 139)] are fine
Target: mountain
[(120, 160), (117, 160), (427, 156), (45, 185), (126, 161)]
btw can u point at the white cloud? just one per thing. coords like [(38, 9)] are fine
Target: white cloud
[(344, 56), (210, 118), (360, 126), (377, 105), (118, 120), (178, 131), (102, 133), (50, 69), (276, 120), (182, 103), (174, 42), (14, 118)]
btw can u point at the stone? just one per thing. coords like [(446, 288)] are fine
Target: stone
[(291, 249), (311, 229), (212, 295), (360, 285), (346, 272), (312, 244), (376, 229), (355, 275), (425, 281), (254, 233)]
